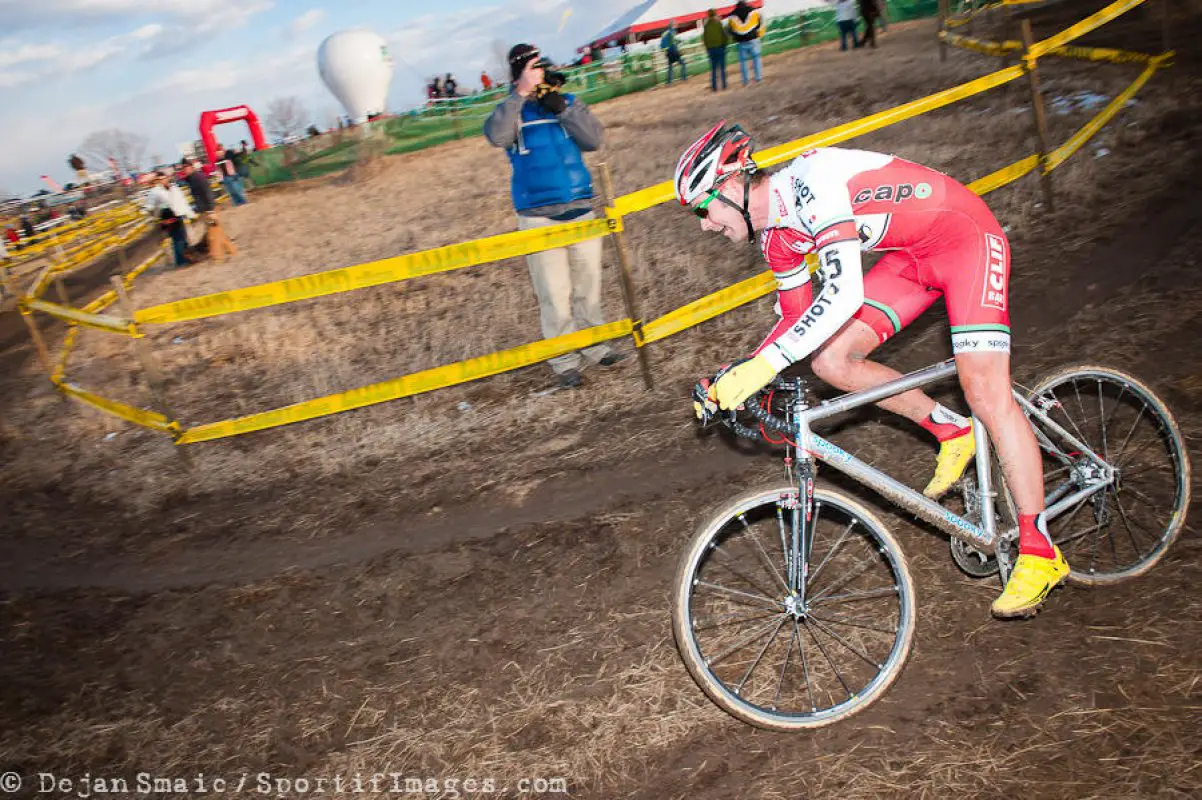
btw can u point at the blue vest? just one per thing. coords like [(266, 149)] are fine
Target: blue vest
[(548, 167)]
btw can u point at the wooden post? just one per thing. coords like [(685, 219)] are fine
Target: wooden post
[(1041, 119), (38, 342), (1165, 41), (943, 13), (150, 364), (455, 119), (619, 240)]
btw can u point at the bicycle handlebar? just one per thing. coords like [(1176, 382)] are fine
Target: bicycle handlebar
[(755, 407)]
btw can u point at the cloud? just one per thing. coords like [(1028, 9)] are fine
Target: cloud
[(304, 22), (28, 52), (21, 15)]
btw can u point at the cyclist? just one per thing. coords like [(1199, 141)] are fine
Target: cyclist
[(939, 239)]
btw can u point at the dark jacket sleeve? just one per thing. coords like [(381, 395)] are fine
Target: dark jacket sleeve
[(584, 128), (501, 127)]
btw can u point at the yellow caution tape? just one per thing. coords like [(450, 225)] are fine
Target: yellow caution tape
[(663, 192), (60, 369), (980, 45), (98, 321), (1078, 30), (138, 416), (963, 19), (883, 119), (1101, 54), (1005, 175), (708, 307), (1058, 156), (408, 385), (388, 270)]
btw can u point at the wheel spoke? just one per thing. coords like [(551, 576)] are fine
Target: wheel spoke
[(746, 640), (728, 561), (774, 605), (1138, 417), (841, 621), (827, 656), (805, 669), (732, 618), (860, 569), (844, 642), (784, 667), (860, 594), (1127, 524), (760, 656), (831, 552), (763, 553)]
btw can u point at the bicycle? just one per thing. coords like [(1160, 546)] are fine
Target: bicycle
[(810, 585)]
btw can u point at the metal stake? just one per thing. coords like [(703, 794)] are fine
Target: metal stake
[(619, 240), (1041, 119), (150, 364)]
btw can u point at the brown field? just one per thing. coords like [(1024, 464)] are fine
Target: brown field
[(474, 582)]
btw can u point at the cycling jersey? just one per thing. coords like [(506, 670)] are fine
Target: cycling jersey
[(939, 238)]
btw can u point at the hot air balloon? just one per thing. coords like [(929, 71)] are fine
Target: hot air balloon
[(356, 67)]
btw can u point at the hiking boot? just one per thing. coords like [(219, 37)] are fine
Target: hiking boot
[(611, 358), (569, 379)]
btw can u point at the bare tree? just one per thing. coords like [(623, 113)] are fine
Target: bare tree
[(285, 117), (127, 150)]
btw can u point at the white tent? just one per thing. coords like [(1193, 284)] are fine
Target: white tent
[(647, 19)]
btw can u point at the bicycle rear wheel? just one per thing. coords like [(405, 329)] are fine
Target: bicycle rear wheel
[(758, 650), (1125, 529)]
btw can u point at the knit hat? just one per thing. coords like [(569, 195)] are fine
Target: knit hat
[(519, 56)]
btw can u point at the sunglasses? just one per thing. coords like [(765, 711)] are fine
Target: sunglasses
[(702, 208)]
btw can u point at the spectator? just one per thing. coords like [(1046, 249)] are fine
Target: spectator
[(243, 159), (14, 238), (228, 169), (543, 133), (671, 47), (219, 245), (846, 15), (715, 39), (450, 87), (198, 184), (485, 81), (166, 201), (76, 163), (27, 228), (746, 27), (433, 90), (869, 11)]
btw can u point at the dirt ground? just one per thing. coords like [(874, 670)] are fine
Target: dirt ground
[(474, 584)]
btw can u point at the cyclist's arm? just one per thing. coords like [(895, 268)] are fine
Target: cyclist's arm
[(808, 320)]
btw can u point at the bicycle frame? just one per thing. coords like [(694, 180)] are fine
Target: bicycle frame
[(984, 536)]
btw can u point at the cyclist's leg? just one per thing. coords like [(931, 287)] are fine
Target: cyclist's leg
[(893, 298), (975, 276)]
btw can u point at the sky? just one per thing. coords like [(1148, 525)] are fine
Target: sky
[(72, 67)]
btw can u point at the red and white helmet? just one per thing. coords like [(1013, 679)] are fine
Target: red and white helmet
[(722, 152)]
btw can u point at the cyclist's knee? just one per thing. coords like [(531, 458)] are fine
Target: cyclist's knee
[(988, 397), (831, 364)]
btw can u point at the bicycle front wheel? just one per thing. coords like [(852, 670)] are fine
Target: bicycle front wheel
[(1125, 529), (792, 659)]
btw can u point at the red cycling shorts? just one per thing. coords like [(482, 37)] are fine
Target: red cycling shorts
[(962, 256)]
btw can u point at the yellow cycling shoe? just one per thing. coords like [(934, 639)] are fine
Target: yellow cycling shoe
[(1031, 581), (954, 457)]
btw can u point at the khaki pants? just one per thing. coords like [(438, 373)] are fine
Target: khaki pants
[(567, 281)]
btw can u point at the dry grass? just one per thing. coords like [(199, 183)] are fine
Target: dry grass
[(545, 650), (264, 359)]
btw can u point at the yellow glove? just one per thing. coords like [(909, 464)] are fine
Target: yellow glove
[(742, 382)]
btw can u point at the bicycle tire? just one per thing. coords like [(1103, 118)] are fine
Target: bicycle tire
[(684, 625)]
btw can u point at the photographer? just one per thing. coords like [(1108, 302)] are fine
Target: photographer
[(543, 132)]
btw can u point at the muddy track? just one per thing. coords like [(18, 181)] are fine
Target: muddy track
[(578, 495)]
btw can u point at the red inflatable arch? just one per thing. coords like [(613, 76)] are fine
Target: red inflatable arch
[(223, 115)]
